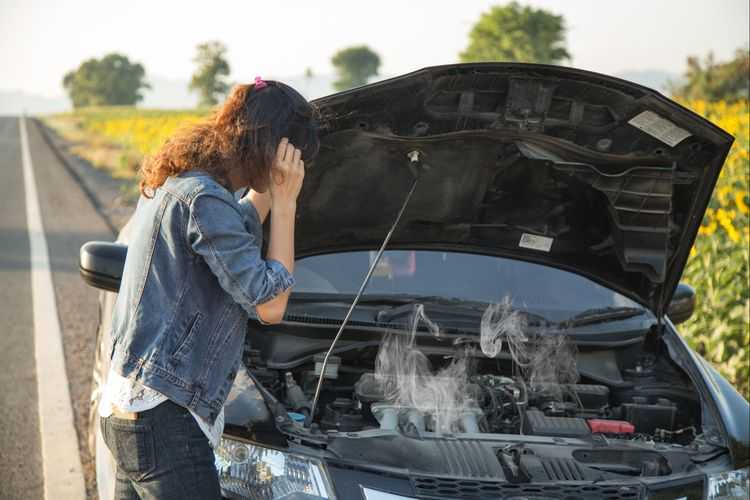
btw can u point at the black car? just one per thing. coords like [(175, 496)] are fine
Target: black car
[(488, 266)]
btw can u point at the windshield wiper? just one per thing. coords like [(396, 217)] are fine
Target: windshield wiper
[(402, 304), (451, 306), (380, 298), (601, 315)]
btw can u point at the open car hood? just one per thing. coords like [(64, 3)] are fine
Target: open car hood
[(554, 165)]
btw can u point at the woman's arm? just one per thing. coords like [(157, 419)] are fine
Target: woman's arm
[(218, 233), (286, 183)]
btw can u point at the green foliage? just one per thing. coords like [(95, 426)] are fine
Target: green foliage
[(718, 330), (718, 267), (111, 80), (209, 79), (712, 81), (355, 65), (517, 34)]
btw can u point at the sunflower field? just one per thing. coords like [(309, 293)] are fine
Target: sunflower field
[(718, 265), (117, 138)]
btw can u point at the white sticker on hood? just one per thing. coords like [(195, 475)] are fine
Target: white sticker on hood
[(661, 128), (535, 242)]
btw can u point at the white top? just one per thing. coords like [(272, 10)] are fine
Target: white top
[(129, 395)]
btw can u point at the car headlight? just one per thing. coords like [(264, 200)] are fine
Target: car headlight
[(729, 485), (252, 472)]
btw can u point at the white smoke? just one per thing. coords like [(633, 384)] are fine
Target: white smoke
[(547, 359), (552, 367), (407, 378), (552, 361), (501, 323)]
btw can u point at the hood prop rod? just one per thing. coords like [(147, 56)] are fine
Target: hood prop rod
[(414, 167)]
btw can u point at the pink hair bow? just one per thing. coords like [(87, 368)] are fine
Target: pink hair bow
[(259, 83)]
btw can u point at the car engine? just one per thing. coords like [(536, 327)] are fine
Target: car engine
[(354, 400)]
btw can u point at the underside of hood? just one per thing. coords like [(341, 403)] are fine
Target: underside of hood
[(554, 165)]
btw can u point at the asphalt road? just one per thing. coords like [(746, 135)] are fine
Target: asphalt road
[(69, 220)]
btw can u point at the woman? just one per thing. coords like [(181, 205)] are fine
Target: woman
[(193, 274)]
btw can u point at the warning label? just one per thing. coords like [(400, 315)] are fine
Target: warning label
[(535, 242), (661, 128)]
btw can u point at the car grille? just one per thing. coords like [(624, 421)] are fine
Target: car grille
[(562, 469), (444, 488)]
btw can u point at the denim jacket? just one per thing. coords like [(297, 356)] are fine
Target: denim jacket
[(192, 275)]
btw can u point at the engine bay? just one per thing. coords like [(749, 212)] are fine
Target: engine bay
[(562, 410), (428, 385), (353, 400)]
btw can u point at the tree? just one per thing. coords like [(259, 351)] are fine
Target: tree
[(714, 81), (518, 34), (111, 80), (355, 65), (209, 80)]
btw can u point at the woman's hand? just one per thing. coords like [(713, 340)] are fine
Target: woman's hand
[(287, 174)]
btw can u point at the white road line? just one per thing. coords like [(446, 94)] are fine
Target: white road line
[(63, 476)]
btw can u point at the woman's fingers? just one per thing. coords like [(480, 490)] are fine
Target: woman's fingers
[(280, 167), (281, 150), (289, 152), (288, 169)]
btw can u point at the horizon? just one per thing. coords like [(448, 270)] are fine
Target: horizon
[(642, 38)]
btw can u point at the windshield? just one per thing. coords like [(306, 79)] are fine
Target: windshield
[(555, 294)]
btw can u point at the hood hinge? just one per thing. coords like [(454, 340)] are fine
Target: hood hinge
[(652, 341)]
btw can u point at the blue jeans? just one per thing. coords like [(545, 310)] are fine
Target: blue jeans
[(162, 455)]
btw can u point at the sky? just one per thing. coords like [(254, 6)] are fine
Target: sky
[(40, 40)]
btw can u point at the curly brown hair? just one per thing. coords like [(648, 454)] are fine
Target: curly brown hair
[(242, 134)]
